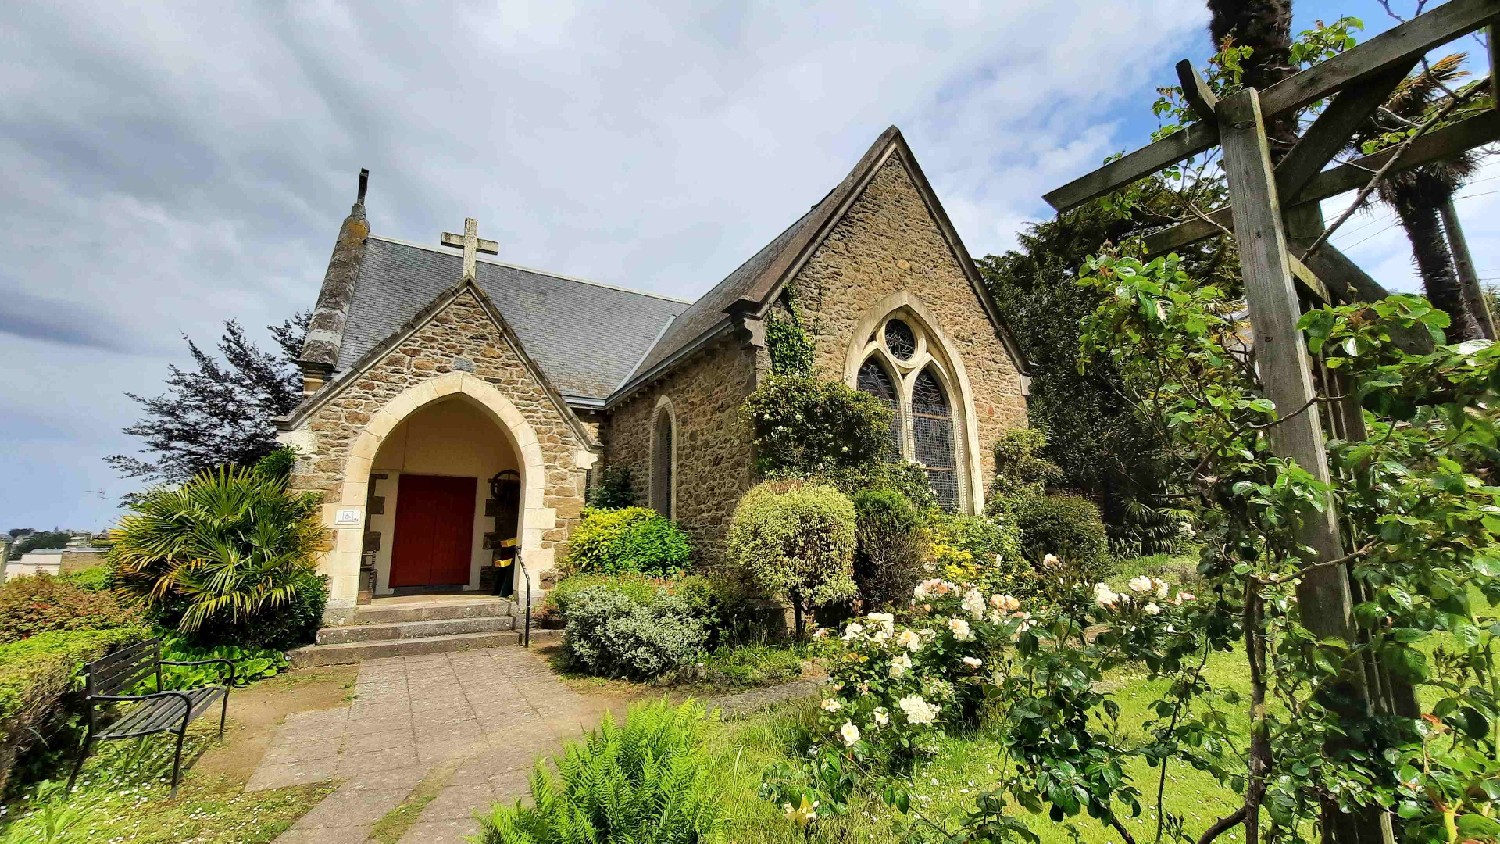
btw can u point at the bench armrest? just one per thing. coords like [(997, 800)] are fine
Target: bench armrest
[(228, 665)]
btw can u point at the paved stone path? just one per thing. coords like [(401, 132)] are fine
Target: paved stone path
[(466, 726), (469, 724)]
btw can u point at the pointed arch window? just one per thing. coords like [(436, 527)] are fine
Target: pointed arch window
[(900, 369), (932, 437), (875, 380), (663, 462)]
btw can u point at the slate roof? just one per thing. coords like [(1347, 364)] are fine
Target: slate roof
[(585, 337)]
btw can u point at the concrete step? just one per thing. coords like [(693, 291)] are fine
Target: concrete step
[(477, 607), (348, 652), (414, 629)]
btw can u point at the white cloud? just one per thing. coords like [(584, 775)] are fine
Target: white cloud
[(184, 163)]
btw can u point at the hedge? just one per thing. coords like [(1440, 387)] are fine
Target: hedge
[(42, 603), (36, 675)]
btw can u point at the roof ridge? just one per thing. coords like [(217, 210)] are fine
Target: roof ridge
[(548, 273)]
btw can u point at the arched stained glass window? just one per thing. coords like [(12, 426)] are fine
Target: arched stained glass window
[(932, 437), (874, 379), (661, 464)]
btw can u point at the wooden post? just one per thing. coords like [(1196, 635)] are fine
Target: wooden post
[(1286, 369)]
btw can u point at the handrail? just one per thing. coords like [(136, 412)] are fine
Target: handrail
[(526, 576)]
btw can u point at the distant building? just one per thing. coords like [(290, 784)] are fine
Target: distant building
[(80, 553)]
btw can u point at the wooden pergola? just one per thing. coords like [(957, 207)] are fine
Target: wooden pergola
[(1286, 261)]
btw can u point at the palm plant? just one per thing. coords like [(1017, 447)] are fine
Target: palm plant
[(1422, 196), (224, 547)]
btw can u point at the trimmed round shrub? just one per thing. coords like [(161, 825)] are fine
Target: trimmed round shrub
[(1069, 526), (633, 539), (888, 546), (42, 603), (795, 540), (610, 634)]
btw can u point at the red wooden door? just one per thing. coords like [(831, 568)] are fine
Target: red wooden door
[(434, 531)]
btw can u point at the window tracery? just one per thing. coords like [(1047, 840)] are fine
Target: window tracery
[(899, 368)]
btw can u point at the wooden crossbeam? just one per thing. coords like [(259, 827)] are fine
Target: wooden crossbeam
[(1178, 146), (1330, 132), (1475, 131), (1405, 43)]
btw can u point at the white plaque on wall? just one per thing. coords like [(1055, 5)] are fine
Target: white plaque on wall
[(348, 517)]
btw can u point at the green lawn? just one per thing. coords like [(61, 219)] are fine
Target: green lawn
[(122, 797), (945, 786)]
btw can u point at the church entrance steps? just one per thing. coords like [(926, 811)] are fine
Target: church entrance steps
[(426, 629), (430, 608), (350, 652)]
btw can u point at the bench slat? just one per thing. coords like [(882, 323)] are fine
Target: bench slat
[(161, 714), (120, 671)]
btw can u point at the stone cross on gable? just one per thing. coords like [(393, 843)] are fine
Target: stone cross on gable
[(472, 244)]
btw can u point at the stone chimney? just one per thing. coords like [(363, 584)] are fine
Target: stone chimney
[(325, 333)]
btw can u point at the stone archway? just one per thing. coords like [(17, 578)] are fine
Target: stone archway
[(342, 563)]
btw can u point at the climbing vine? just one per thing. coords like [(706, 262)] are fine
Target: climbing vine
[(790, 348)]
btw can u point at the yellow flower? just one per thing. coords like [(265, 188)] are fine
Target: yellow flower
[(804, 814)]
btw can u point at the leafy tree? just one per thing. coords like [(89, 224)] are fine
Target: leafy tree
[(1104, 447), (221, 411), (31, 540), (796, 541), (804, 427)]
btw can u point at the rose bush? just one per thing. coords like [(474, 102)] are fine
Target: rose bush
[(958, 656)]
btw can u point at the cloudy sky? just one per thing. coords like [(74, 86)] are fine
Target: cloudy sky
[(180, 164)]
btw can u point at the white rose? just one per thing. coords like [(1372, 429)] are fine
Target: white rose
[(961, 630), (918, 711), (973, 603), (884, 620), (1105, 596), (881, 716), (910, 640), (973, 662), (1141, 584), (1160, 587), (1051, 561), (900, 665), (850, 733), (1151, 609), (853, 631), (831, 705)]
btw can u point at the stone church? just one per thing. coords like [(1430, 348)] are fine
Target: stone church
[(458, 409)]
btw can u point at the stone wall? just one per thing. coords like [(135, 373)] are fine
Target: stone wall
[(888, 242), (713, 444), (459, 341)]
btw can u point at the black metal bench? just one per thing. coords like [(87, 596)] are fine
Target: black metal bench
[(108, 682)]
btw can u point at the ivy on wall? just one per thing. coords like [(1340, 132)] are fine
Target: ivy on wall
[(790, 348)]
